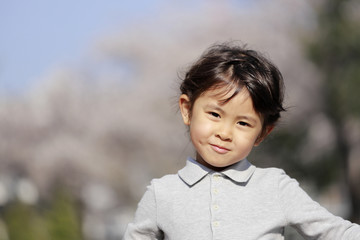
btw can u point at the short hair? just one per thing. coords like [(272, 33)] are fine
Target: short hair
[(234, 67)]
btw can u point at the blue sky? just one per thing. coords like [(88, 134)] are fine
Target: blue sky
[(39, 34)]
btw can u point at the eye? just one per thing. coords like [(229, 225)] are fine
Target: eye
[(214, 114), (242, 123)]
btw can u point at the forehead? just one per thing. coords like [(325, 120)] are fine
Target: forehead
[(224, 95)]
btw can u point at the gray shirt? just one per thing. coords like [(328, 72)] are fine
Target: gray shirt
[(241, 202)]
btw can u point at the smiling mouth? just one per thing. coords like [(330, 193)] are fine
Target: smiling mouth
[(219, 149)]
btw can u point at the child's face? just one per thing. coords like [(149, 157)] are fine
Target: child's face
[(222, 133)]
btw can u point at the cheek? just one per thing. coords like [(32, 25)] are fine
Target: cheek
[(244, 147), (246, 141), (253, 139), (200, 130)]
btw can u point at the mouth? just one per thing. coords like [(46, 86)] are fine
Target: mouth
[(219, 149)]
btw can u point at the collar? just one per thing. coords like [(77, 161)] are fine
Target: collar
[(193, 172)]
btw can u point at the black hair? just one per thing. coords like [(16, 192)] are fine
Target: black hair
[(234, 67)]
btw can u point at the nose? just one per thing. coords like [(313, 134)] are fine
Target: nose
[(224, 132)]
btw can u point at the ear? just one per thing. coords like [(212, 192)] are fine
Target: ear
[(264, 134), (184, 105)]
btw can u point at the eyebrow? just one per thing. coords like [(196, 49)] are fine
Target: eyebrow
[(215, 107)]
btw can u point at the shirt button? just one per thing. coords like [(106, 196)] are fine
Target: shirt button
[(216, 191), (216, 223), (216, 177), (216, 207)]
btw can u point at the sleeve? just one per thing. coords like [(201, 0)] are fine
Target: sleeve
[(144, 226), (310, 219)]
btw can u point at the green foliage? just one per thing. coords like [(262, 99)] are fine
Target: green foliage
[(58, 220), (62, 219), (24, 222), (336, 51)]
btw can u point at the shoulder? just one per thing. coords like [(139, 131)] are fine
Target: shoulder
[(285, 187), (165, 180), (165, 183), (273, 177), (269, 174)]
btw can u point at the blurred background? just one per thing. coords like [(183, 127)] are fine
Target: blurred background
[(88, 104)]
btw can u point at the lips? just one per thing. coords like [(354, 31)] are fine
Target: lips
[(219, 149)]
